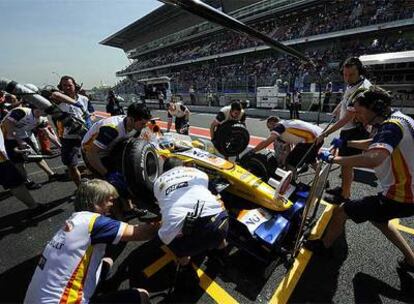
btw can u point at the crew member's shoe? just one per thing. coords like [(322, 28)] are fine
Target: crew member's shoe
[(336, 199), (31, 185)]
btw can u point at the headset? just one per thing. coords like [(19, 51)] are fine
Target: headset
[(66, 77), (354, 61), (373, 98)]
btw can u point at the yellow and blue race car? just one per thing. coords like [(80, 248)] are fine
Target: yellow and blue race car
[(265, 216)]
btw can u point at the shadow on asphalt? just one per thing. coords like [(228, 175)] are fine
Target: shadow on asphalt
[(326, 270), (187, 290), (368, 289), (364, 177), (16, 280), (19, 221)]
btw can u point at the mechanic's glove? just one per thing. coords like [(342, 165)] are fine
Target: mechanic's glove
[(116, 179), (326, 156), (338, 143)]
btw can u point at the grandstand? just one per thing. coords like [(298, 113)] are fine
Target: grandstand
[(198, 54)]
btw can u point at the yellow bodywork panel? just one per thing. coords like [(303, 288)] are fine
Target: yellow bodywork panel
[(242, 183)]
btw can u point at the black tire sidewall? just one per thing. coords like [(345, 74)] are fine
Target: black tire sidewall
[(235, 131), (253, 165), (131, 159)]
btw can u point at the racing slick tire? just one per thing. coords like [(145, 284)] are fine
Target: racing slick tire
[(231, 138), (263, 164), (138, 161)]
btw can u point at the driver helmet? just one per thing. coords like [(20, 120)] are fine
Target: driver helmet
[(167, 143)]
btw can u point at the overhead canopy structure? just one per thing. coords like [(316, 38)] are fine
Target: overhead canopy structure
[(163, 21), (386, 58)]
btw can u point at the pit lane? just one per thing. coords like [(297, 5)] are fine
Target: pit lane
[(363, 268)]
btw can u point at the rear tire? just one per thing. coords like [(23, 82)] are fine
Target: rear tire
[(256, 166), (262, 164)]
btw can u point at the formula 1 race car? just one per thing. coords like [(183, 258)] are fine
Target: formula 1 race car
[(267, 218), (141, 161)]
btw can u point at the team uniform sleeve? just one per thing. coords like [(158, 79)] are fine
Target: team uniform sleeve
[(278, 130), (183, 108), (220, 116), (106, 136), (91, 108), (17, 115), (107, 231), (388, 137)]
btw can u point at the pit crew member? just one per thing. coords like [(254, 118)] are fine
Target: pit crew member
[(295, 132), (71, 143), (390, 154), (235, 111), (18, 127), (193, 219), (71, 264), (99, 141), (182, 116), (354, 76), (12, 179)]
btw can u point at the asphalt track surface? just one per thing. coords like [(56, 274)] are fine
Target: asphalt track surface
[(362, 269)]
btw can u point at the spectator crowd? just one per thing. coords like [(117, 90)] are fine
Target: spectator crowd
[(284, 27)]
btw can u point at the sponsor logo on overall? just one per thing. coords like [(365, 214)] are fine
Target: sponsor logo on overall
[(175, 187)]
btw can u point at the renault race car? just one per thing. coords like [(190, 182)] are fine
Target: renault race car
[(264, 216)]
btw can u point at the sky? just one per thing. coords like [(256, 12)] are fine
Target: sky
[(41, 40)]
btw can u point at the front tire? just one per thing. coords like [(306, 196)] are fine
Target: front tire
[(138, 162)]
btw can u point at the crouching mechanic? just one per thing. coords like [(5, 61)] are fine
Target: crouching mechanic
[(12, 179), (193, 219), (71, 265), (18, 126), (99, 141), (296, 132), (235, 112), (390, 153), (182, 116)]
